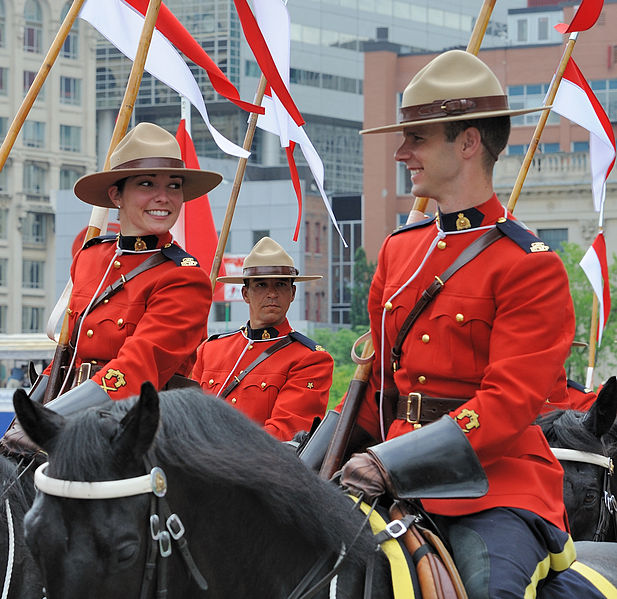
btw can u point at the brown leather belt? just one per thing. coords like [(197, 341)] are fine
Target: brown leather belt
[(417, 408)]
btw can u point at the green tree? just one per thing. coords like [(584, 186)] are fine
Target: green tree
[(363, 272), (582, 296)]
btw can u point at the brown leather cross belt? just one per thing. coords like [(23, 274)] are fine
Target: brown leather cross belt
[(417, 408)]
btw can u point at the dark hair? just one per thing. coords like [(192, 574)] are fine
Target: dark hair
[(120, 184), (494, 133)]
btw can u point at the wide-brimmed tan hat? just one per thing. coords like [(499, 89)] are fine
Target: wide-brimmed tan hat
[(147, 148), (268, 260), (454, 86)]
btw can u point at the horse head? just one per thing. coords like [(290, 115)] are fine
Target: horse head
[(74, 541)]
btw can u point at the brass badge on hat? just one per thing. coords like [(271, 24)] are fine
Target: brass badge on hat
[(472, 415), (140, 245), (462, 222)]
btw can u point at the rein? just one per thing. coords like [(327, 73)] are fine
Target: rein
[(164, 526), (608, 507)]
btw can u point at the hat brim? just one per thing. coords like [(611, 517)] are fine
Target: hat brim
[(240, 280), (92, 189), (451, 118)]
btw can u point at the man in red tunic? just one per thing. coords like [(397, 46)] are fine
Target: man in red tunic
[(276, 376), (486, 352)]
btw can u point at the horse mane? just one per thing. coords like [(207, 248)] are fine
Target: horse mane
[(564, 428), (210, 441), (18, 492)]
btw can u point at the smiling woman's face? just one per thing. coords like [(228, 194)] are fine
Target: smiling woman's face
[(149, 204)]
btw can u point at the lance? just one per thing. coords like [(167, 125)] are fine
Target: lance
[(237, 184), (473, 47), (344, 427), (62, 356), (37, 84)]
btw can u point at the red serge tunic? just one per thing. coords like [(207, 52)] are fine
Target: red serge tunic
[(284, 393), (148, 330), (498, 334)]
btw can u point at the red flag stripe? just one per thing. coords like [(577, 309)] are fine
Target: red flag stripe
[(295, 179), (585, 18), (599, 246), (266, 63), (176, 33)]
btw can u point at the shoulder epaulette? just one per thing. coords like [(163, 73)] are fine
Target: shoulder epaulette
[(99, 239), (421, 223), (578, 386), (221, 335), (177, 255), (312, 345), (524, 238)]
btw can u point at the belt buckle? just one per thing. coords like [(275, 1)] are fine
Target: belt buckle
[(410, 398), (84, 372)]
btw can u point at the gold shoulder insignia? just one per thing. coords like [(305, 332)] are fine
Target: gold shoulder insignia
[(472, 415), (539, 246), (320, 348), (189, 261), (114, 385)]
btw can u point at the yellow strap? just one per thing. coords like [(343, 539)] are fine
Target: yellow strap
[(402, 585), (595, 578)]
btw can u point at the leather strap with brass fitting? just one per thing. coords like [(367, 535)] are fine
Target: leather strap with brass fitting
[(417, 408), (454, 106)]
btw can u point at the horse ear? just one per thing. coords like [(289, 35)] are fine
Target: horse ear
[(602, 413), (139, 426), (39, 423)]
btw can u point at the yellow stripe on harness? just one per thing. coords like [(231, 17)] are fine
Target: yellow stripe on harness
[(402, 585), (596, 579)]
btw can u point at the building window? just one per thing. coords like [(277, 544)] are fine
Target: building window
[(529, 96), (403, 180), (70, 138), (34, 178), (4, 180), (521, 30), (32, 319), (550, 148), (33, 29), (4, 271), (606, 92), (3, 319), (34, 134), (4, 81), (34, 228), (4, 223), (307, 236), (33, 274), (68, 176), (543, 29), (70, 91), (257, 235), (2, 25), (222, 311), (580, 146), (307, 305), (554, 238), (317, 248), (70, 48), (517, 149), (29, 77)]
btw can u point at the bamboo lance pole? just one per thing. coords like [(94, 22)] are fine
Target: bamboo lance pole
[(99, 215), (237, 184), (593, 336), (473, 47), (37, 84), (535, 140)]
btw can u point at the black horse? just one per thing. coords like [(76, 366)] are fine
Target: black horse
[(19, 574), (256, 521), (258, 524), (589, 484)]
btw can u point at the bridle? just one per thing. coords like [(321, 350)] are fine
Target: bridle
[(608, 506), (165, 527)]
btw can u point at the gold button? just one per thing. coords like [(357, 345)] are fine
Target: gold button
[(233, 400), (388, 306), (502, 219), (69, 311), (105, 301), (117, 264), (93, 362), (89, 333), (168, 245), (422, 379), (425, 338), (459, 317), (120, 322), (263, 385), (441, 245), (211, 382), (250, 347)]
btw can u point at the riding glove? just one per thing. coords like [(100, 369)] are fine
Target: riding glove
[(364, 475)]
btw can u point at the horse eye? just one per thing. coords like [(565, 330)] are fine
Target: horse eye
[(126, 552), (590, 498)]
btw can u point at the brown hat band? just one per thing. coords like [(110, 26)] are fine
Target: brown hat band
[(256, 271), (151, 162), (442, 108)]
